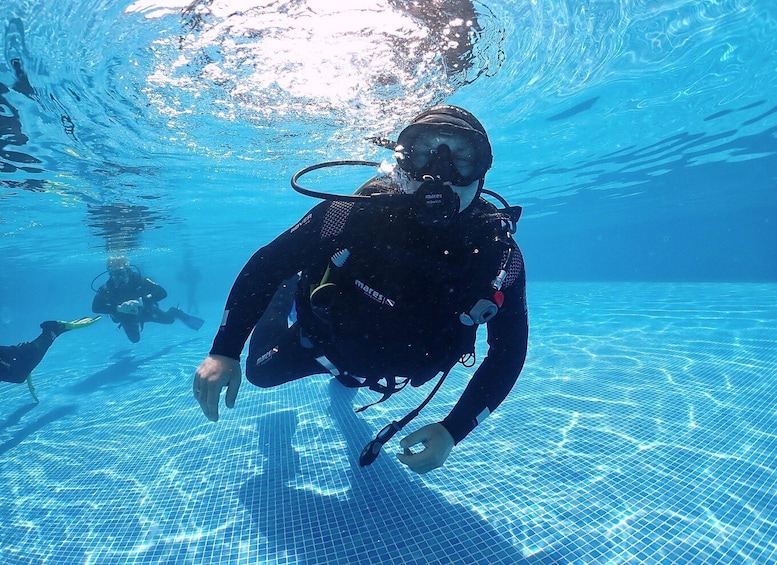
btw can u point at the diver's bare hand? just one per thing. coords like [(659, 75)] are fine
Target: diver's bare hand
[(438, 444), (214, 373)]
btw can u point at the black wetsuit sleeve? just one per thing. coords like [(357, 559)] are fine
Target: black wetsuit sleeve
[(151, 292), (104, 302), (257, 283), (508, 336)]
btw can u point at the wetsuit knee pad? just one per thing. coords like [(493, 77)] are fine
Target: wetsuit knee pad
[(283, 361), (262, 372)]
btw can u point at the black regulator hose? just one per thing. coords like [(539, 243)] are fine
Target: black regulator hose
[(324, 195)]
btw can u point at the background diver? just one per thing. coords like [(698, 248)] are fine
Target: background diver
[(395, 282), (18, 361), (132, 300)]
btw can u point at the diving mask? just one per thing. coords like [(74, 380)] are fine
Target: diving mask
[(457, 155)]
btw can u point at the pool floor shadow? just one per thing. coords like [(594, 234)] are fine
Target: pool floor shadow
[(388, 516)]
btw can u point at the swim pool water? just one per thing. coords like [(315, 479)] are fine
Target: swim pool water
[(642, 430)]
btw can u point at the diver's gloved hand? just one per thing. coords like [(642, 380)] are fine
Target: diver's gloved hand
[(129, 307), (438, 443), (213, 374)]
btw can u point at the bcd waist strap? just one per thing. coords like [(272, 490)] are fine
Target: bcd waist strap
[(393, 384)]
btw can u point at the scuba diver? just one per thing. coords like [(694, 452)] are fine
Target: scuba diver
[(389, 287), (18, 361), (131, 300)]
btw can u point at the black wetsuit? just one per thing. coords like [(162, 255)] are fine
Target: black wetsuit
[(110, 295), (394, 306), (18, 361)]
